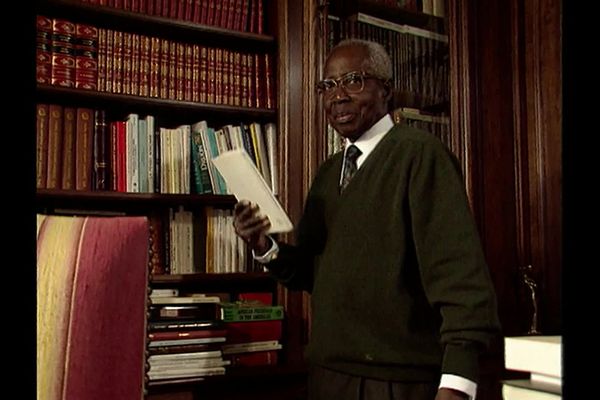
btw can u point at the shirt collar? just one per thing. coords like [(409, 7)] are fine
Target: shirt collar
[(368, 140)]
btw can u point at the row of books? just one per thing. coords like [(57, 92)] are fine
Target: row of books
[(239, 15), (177, 247), (419, 57), (190, 336), (83, 56), (78, 149)]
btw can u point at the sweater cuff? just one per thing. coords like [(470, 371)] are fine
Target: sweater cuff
[(461, 359)]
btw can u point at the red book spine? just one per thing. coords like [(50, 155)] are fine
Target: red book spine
[(126, 63), (84, 146), (150, 7), (166, 6), (218, 76), (253, 331), (269, 81), (114, 157), (109, 60), (201, 333), (210, 16), (244, 86), (188, 10), (42, 130), (179, 71), (187, 72), (144, 79), (55, 136), (68, 150), (258, 83), (86, 57), (245, 19), (203, 87), (63, 53), (164, 69), (210, 68), (174, 9), (155, 57), (224, 13), (260, 17), (135, 64), (117, 81), (228, 77), (43, 57), (172, 71), (204, 12), (218, 8), (197, 11), (180, 11), (252, 16), (236, 74), (101, 60), (253, 359), (195, 84), (237, 15)]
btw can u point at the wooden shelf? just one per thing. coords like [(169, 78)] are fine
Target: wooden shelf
[(196, 278), (126, 102), (131, 203), (114, 18)]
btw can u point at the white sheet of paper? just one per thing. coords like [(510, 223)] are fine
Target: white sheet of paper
[(245, 181)]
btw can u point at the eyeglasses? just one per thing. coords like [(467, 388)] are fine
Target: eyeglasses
[(352, 82)]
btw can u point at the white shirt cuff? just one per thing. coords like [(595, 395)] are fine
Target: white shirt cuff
[(459, 383), (267, 256)]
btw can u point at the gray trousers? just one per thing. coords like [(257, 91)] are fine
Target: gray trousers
[(326, 384)]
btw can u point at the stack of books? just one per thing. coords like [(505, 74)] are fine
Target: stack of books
[(254, 331), (541, 357)]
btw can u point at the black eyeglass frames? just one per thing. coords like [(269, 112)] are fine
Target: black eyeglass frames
[(352, 82)]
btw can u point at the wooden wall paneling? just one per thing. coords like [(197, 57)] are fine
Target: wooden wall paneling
[(541, 88), (291, 127)]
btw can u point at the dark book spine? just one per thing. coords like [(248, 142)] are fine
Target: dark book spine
[(84, 149), (101, 151), (43, 56), (86, 57), (63, 53), (55, 137), (68, 151), (42, 130)]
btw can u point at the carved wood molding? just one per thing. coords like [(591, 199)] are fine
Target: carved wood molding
[(461, 88)]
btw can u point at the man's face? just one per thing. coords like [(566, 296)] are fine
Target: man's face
[(351, 114)]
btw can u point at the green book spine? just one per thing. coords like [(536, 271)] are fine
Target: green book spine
[(245, 313)]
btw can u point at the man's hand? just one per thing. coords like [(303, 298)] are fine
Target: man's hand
[(450, 394), (251, 226)]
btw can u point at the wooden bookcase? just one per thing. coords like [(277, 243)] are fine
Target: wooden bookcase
[(276, 381)]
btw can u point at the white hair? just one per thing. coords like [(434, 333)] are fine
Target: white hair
[(378, 61)]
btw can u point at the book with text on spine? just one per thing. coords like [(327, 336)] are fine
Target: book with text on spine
[(246, 183)]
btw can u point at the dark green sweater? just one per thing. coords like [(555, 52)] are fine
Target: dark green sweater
[(401, 289)]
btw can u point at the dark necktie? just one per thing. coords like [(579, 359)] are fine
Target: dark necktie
[(352, 154)]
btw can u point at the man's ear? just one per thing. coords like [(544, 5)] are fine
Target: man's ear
[(387, 90)]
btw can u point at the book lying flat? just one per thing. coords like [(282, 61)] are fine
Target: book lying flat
[(540, 355), (525, 389), (245, 181)]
